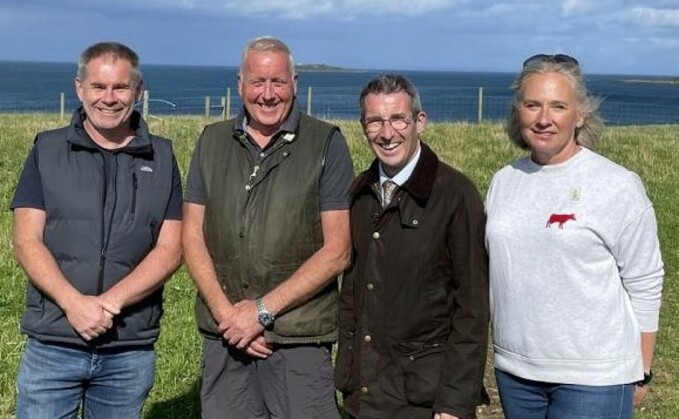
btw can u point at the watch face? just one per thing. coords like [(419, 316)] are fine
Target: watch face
[(263, 316), (265, 319)]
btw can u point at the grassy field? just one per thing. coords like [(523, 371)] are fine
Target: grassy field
[(477, 150)]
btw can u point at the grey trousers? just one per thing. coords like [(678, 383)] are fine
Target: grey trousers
[(295, 382)]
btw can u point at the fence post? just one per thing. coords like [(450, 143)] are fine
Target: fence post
[(480, 113), (207, 107), (145, 105), (227, 107), (308, 102), (62, 106)]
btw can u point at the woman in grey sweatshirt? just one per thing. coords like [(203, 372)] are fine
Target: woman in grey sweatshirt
[(575, 266)]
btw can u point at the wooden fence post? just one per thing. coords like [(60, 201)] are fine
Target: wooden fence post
[(207, 107), (480, 111), (227, 107), (308, 102), (145, 105), (62, 106)]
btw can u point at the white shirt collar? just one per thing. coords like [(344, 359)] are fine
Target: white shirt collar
[(401, 177)]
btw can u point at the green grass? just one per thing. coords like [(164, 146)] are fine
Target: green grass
[(477, 150)]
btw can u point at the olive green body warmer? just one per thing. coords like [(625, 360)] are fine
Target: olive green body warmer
[(263, 221)]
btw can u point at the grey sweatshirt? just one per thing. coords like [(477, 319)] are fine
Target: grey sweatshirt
[(575, 270)]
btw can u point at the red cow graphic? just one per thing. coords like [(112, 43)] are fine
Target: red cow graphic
[(559, 218)]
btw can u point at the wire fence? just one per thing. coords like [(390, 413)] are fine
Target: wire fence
[(441, 104)]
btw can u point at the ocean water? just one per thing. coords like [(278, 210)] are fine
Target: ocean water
[(446, 96)]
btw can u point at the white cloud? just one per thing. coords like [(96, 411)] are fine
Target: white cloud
[(646, 16), (310, 8), (498, 10), (575, 7), (665, 42)]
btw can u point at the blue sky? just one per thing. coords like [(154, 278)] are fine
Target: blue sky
[(607, 36)]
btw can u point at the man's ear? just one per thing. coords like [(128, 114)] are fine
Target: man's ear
[(421, 122), (139, 94), (78, 88)]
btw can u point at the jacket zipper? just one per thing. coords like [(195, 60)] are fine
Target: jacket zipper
[(102, 251), (134, 192), (251, 184), (253, 176), (106, 238)]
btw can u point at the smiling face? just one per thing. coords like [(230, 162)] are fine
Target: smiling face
[(393, 147), (108, 93), (549, 114), (267, 87)]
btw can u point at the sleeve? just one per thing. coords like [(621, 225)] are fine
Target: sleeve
[(337, 176), (29, 193), (461, 387), (174, 207), (347, 333), (641, 268), (195, 185)]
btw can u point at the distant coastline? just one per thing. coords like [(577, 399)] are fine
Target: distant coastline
[(651, 81), (318, 68)]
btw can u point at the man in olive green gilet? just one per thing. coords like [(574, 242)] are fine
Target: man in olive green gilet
[(266, 232)]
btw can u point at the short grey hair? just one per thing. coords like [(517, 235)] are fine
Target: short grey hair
[(264, 44), (588, 134), (391, 83), (115, 49)]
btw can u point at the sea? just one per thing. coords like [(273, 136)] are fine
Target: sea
[(446, 95)]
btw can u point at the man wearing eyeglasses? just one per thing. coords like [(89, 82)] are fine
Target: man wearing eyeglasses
[(414, 303)]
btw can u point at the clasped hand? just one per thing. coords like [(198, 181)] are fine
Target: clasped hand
[(91, 316), (242, 330)]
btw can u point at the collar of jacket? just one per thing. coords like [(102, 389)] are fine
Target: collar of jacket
[(419, 185), (140, 145)]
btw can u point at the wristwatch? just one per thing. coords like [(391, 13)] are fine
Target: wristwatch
[(264, 316), (648, 376)]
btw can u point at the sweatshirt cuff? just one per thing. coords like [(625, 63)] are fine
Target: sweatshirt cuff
[(648, 320)]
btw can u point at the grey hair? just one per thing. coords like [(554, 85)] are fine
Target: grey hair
[(115, 49), (592, 127), (264, 44), (391, 83)]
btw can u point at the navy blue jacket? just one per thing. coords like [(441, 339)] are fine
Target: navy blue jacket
[(99, 231)]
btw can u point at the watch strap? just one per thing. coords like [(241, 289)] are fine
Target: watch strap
[(648, 377), (264, 316)]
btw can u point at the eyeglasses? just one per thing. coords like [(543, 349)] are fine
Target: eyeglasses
[(375, 125), (556, 58)]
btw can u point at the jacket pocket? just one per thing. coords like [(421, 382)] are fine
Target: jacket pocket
[(421, 374), (344, 362)]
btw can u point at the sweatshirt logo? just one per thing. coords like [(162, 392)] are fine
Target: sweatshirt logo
[(146, 169), (559, 218)]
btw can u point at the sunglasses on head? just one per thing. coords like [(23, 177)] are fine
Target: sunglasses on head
[(556, 58)]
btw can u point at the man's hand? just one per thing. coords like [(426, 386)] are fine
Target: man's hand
[(111, 307), (639, 394), (259, 348), (241, 326), (90, 316), (444, 416)]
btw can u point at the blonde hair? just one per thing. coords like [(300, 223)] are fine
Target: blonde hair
[(592, 127)]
